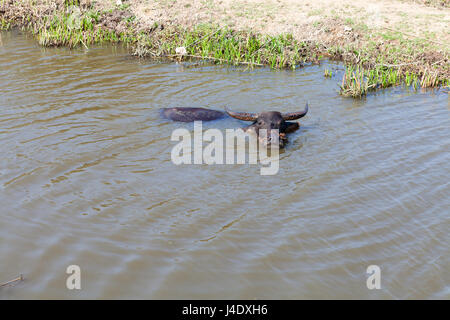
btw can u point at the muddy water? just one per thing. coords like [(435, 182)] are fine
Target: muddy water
[(86, 179)]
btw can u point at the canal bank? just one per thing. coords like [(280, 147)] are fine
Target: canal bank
[(384, 43)]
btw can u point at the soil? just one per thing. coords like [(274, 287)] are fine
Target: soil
[(306, 20)]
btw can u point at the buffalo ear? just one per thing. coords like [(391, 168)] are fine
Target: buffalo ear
[(246, 116), (295, 115), (291, 127)]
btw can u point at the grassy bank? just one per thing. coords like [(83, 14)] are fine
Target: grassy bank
[(225, 46), (379, 61), (67, 23)]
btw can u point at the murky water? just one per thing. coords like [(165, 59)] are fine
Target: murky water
[(86, 179)]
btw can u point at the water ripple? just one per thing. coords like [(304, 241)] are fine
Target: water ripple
[(86, 178)]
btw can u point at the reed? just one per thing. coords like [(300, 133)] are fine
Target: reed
[(4, 24), (354, 84), (358, 81)]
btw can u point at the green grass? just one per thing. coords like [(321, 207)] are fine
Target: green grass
[(4, 25), (354, 83), (390, 59), (222, 45), (358, 81), (75, 29)]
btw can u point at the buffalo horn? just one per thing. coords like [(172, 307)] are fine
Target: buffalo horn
[(295, 115), (246, 116)]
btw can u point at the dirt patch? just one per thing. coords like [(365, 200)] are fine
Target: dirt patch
[(433, 3), (306, 20), (115, 20)]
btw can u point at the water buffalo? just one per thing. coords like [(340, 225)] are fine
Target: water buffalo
[(271, 120), (191, 114)]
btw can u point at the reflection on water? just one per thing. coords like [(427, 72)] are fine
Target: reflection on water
[(86, 179)]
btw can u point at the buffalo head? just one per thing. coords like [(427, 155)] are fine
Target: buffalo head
[(269, 121)]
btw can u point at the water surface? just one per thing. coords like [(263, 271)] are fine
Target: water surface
[(86, 179)]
